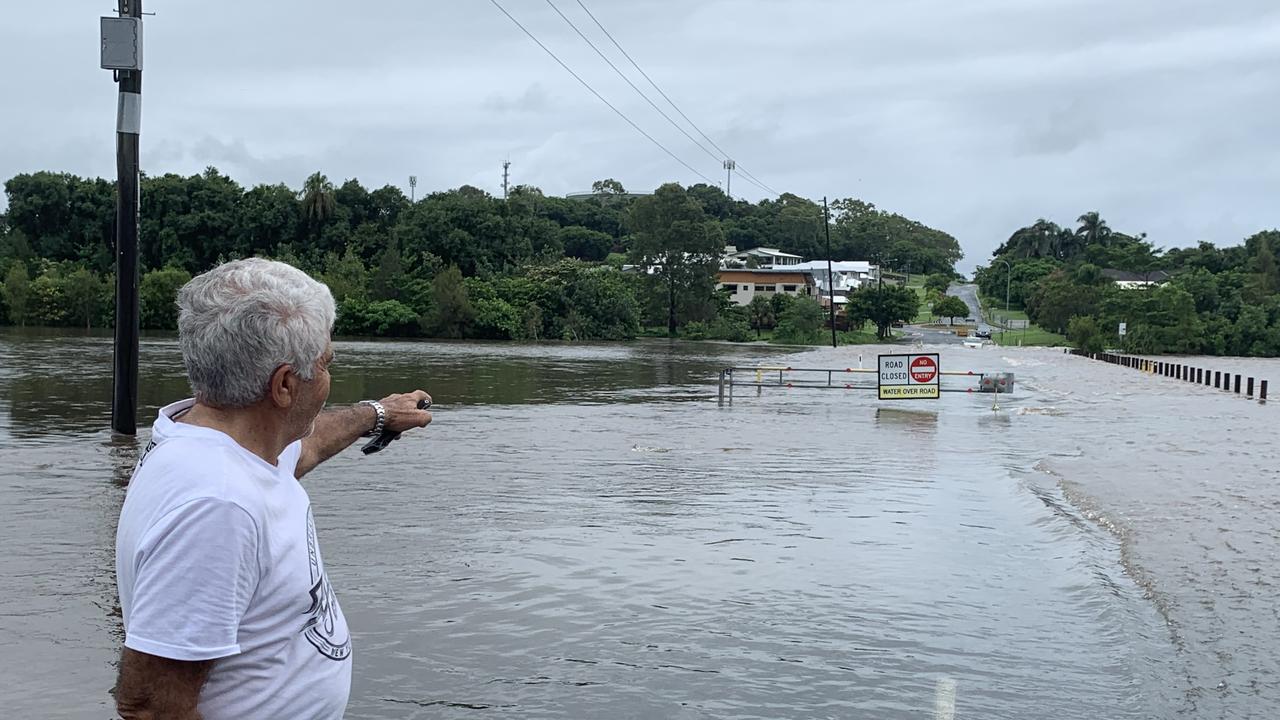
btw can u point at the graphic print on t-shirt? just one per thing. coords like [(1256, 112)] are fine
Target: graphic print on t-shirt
[(321, 626)]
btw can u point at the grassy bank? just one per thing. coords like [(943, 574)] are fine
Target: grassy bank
[(923, 314), (1034, 335)]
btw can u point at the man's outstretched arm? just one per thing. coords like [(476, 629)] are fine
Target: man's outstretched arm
[(336, 429)]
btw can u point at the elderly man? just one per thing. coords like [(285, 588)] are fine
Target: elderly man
[(228, 612)]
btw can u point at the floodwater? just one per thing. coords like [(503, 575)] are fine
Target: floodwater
[(583, 532)]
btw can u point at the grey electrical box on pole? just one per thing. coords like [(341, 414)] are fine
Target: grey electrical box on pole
[(121, 43), (122, 53)]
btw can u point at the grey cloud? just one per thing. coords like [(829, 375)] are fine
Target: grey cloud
[(974, 117), (533, 99)]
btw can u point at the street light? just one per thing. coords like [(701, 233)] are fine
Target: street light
[(1008, 278)]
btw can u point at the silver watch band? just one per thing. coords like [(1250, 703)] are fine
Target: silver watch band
[(382, 417)]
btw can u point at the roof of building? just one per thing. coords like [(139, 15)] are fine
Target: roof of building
[(770, 274), (771, 252), (1155, 276), (858, 266), (592, 195)]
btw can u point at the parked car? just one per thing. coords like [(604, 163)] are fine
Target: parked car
[(985, 334)]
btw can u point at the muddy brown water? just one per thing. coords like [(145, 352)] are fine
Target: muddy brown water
[(583, 532)]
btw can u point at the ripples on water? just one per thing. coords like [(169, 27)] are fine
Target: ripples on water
[(583, 533)]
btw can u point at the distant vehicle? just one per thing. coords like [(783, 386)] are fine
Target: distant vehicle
[(985, 334), (969, 320), (895, 324)]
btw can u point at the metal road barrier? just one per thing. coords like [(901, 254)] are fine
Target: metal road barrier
[(798, 378), (1179, 371)]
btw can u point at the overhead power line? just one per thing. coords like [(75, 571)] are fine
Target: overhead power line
[(754, 180), (600, 97), (740, 170), (639, 92)]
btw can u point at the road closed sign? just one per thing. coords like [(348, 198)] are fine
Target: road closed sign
[(910, 377)]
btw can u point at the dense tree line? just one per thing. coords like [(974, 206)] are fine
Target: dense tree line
[(457, 263), (1201, 300)]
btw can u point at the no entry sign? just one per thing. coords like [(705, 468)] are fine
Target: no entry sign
[(924, 369), (910, 377)]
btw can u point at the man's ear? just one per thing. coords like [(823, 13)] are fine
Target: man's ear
[(283, 387)]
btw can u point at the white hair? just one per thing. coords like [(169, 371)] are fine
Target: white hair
[(242, 320)]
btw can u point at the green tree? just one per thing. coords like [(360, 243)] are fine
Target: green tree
[(269, 216), (731, 325), (17, 293), (158, 297), (585, 243), (379, 318), (1056, 299), (883, 306), (860, 231), (48, 300), (84, 292), (800, 323), (318, 199), (1093, 230), (346, 276), (608, 186), (760, 312), (604, 305), (388, 278), (950, 307), (531, 322), (451, 312), (679, 249), (938, 281), (1084, 333), (1268, 276)]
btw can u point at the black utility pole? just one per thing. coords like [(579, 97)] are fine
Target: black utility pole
[(831, 281), (124, 406)]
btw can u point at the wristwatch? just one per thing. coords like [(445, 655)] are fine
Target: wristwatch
[(382, 417)]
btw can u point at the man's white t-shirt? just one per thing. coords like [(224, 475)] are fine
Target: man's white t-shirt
[(216, 558)]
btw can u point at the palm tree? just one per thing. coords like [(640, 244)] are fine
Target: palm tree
[(318, 203), (1038, 240), (761, 312), (1069, 244), (1093, 229)]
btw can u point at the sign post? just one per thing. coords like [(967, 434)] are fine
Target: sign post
[(910, 377)]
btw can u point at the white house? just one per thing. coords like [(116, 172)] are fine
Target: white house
[(847, 275), (743, 285), (1132, 281), (764, 257)]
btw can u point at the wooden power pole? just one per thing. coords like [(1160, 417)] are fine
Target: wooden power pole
[(831, 280), (122, 53)]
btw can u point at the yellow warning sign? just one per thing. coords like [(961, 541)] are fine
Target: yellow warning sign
[(910, 377), (909, 392)]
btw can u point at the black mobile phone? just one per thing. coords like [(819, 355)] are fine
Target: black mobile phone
[(386, 436)]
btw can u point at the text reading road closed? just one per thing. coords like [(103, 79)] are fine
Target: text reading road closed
[(909, 377)]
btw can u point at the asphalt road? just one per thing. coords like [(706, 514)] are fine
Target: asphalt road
[(932, 336), (969, 294)]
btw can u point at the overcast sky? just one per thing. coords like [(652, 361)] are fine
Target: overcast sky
[(975, 117)]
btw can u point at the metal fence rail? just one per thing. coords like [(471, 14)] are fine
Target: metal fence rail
[(788, 377), (1179, 371)]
